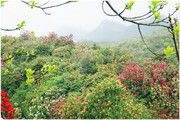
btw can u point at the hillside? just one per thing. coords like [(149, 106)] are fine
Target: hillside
[(157, 41)]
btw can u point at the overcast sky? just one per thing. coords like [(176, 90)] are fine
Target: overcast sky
[(85, 14)]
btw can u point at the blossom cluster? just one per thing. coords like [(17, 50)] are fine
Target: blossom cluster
[(7, 111), (154, 81)]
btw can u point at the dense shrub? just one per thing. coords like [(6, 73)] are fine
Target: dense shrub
[(43, 50), (154, 82), (63, 52), (108, 55), (69, 82), (43, 106), (88, 64), (108, 100)]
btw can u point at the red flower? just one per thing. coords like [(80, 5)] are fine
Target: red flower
[(155, 107), (6, 100), (84, 94), (2, 108), (12, 116), (52, 109), (8, 105), (3, 94), (64, 100), (57, 103), (85, 87), (127, 86), (2, 104)]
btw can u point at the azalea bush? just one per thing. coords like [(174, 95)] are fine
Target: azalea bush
[(7, 111), (109, 99), (43, 106), (157, 83)]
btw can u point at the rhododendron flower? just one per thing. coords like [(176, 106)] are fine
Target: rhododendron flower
[(127, 86)]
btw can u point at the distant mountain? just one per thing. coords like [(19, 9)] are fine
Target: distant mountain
[(106, 31), (114, 31)]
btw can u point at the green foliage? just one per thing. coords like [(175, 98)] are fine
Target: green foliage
[(154, 6), (43, 50), (2, 3), (63, 52), (33, 4), (79, 81), (49, 68), (177, 6), (108, 55), (168, 51), (88, 64), (176, 30), (107, 100), (21, 25), (129, 5), (37, 64), (29, 80)]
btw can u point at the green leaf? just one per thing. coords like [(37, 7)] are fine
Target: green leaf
[(157, 15), (177, 6), (17, 51), (29, 81), (9, 62), (32, 52), (27, 54), (22, 50), (176, 30), (6, 71), (2, 3), (168, 51), (33, 4), (129, 5), (29, 72), (21, 25), (154, 2)]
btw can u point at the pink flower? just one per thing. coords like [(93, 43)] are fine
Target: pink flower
[(127, 86)]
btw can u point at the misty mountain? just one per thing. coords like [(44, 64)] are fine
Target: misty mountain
[(106, 31), (113, 31)]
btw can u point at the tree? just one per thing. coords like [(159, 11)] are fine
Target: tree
[(154, 11)]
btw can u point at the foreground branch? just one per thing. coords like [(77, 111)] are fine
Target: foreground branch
[(43, 8)]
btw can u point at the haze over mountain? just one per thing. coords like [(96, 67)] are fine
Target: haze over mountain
[(105, 31)]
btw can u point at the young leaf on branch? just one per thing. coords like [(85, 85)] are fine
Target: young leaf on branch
[(129, 5), (21, 25), (168, 51), (33, 4), (2, 3), (176, 30)]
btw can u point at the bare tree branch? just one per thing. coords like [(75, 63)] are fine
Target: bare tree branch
[(132, 21), (43, 8), (139, 29), (9, 29)]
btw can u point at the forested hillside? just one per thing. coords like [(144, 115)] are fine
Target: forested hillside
[(51, 77)]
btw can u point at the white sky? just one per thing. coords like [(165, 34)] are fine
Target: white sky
[(85, 14)]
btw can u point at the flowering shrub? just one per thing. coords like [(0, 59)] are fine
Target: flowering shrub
[(25, 35), (157, 83), (108, 100), (7, 111), (43, 106)]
